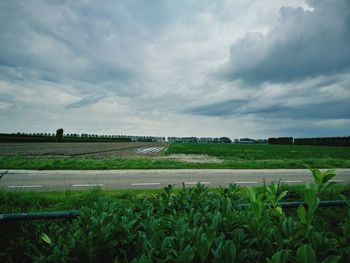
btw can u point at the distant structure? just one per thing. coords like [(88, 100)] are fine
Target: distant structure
[(147, 139), (59, 135), (317, 141), (250, 141), (199, 140)]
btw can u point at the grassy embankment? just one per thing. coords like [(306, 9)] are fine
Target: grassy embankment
[(232, 156)]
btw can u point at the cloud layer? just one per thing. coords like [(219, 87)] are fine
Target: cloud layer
[(176, 68), (304, 44)]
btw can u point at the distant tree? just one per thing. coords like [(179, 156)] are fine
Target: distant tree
[(59, 135), (225, 140)]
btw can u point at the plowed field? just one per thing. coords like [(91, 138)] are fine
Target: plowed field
[(94, 149)]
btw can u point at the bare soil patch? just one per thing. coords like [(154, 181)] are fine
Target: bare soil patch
[(192, 158), (78, 149)]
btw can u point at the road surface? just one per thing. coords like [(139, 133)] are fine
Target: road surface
[(60, 180)]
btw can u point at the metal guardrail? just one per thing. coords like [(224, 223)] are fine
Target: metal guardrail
[(331, 203), (71, 214)]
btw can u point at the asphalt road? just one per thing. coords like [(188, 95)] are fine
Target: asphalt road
[(59, 180)]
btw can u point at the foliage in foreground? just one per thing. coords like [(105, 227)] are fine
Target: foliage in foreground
[(196, 225)]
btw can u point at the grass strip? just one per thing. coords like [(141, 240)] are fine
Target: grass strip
[(15, 202), (40, 163)]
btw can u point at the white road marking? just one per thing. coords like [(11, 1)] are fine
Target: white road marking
[(336, 180), (249, 182), (292, 181), (144, 184), (197, 182), (86, 185), (25, 186)]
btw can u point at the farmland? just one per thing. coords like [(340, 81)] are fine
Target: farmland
[(261, 151), (137, 155), (94, 149)]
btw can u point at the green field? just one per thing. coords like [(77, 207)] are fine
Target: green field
[(261, 151), (231, 156)]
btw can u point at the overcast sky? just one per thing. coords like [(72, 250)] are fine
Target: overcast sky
[(235, 68)]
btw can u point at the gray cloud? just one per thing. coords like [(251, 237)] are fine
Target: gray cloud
[(305, 43), (133, 67), (63, 42), (298, 71), (219, 109), (313, 99), (85, 102), (314, 111)]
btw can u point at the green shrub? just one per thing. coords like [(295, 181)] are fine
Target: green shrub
[(197, 225)]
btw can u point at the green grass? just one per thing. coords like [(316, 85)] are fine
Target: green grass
[(15, 202), (233, 157), (105, 164), (42, 163)]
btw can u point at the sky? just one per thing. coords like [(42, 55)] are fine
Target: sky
[(235, 68)]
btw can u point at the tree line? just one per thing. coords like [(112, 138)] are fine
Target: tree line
[(318, 141), (60, 136), (199, 140)]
